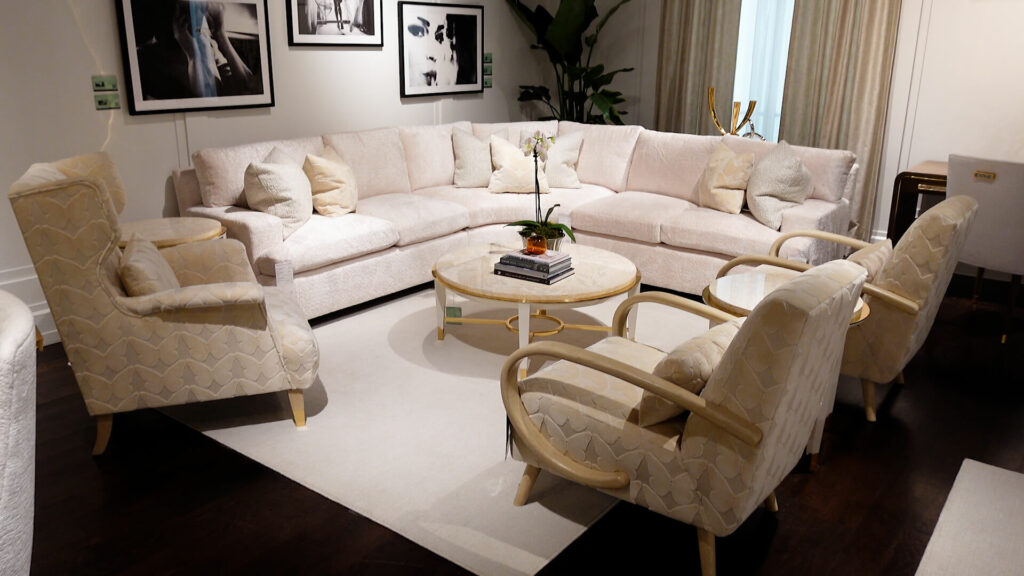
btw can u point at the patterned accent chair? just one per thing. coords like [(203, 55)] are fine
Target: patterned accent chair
[(17, 434), (714, 464), (905, 288), (220, 335)]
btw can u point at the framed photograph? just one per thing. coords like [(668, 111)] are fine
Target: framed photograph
[(334, 23), (440, 48), (182, 55)]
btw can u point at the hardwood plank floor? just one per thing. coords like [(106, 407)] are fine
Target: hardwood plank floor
[(168, 500)]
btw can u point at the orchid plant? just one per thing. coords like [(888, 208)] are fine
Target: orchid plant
[(537, 145)]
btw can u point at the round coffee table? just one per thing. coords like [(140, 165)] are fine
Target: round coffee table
[(469, 272)]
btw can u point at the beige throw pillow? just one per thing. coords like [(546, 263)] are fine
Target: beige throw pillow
[(281, 190), (332, 183), (560, 166), (724, 181), (472, 159), (143, 270), (779, 181), (872, 258), (513, 170), (689, 366)]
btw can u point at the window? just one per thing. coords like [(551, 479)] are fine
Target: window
[(761, 56)]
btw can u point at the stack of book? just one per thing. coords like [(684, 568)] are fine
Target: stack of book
[(546, 268)]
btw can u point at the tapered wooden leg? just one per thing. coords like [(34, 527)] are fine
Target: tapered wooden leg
[(706, 545), (104, 424), (899, 378), (869, 399), (526, 484), (772, 503), (298, 403)]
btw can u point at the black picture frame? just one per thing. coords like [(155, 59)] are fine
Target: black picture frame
[(314, 28), (440, 48), (161, 40)]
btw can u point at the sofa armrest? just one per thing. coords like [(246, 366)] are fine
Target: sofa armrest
[(259, 232), (209, 262), (815, 215), (195, 298)]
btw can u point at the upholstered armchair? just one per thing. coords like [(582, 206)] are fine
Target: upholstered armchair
[(729, 444), (905, 287), (214, 334), (17, 434)]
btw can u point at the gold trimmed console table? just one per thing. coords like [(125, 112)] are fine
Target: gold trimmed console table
[(926, 178)]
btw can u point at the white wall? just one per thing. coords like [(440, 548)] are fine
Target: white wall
[(52, 47), (956, 87)]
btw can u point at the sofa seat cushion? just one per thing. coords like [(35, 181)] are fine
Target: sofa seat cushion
[(416, 218), (325, 240), (709, 230), (631, 215), (571, 198), (486, 208)]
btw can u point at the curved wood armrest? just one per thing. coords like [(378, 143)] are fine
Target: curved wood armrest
[(901, 303), (820, 235), (563, 465), (758, 259), (678, 302)]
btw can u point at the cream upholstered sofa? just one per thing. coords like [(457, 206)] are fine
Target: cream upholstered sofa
[(17, 434), (637, 197), (218, 334)]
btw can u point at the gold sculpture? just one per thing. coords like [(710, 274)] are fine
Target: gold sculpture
[(735, 114)]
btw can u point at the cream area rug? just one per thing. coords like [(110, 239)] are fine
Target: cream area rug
[(409, 431)]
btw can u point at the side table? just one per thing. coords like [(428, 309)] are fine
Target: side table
[(167, 232), (926, 178)]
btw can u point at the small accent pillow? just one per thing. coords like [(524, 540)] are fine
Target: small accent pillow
[(143, 270), (513, 170), (472, 160), (560, 167), (724, 181), (689, 366), (281, 190), (872, 258), (332, 183), (779, 181)]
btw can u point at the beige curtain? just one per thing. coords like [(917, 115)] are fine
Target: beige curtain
[(837, 86), (697, 50)]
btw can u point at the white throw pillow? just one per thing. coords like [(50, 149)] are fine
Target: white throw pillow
[(281, 190), (472, 160), (779, 181), (332, 183), (560, 167), (724, 181), (513, 170)]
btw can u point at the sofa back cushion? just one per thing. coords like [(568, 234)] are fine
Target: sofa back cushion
[(515, 132), (605, 154), (428, 154), (221, 171), (669, 163), (830, 169), (378, 159)]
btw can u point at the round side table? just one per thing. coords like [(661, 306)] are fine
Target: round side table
[(166, 232)]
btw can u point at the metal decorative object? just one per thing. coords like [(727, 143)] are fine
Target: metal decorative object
[(735, 115)]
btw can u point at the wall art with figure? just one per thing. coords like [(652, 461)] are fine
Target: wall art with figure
[(334, 23), (440, 48)]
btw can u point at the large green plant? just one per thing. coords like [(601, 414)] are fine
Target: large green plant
[(582, 88)]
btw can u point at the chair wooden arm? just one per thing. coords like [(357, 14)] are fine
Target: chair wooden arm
[(678, 302), (901, 303), (820, 235), (561, 464)]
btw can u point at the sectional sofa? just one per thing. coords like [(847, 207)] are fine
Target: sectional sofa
[(637, 197)]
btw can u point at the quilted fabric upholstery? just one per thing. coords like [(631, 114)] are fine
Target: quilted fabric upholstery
[(873, 257), (143, 271), (920, 269), (200, 342)]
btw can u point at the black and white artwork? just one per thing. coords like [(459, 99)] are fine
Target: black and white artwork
[(334, 23), (440, 47), (195, 54)]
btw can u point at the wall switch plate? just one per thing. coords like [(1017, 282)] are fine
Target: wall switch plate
[(104, 83), (107, 101), (488, 82), (488, 69), (488, 58)]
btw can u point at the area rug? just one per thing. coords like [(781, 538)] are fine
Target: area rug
[(409, 431)]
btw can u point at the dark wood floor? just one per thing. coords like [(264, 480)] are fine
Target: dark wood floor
[(165, 499)]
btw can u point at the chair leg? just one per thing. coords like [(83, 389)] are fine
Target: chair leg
[(706, 545), (1014, 286), (772, 503), (298, 402), (104, 425), (900, 379), (526, 484), (869, 399)]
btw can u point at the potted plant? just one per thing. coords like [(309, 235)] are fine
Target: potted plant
[(539, 234)]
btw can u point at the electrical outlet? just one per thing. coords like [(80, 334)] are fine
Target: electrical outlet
[(104, 83), (488, 69), (488, 58), (107, 101), (488, 82)]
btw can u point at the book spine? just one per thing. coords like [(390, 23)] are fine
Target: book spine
[(513, 260), (520, 270), (549, 280)]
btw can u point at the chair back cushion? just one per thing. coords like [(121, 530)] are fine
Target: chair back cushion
[(143, 270), (873, 258), (378, 159)]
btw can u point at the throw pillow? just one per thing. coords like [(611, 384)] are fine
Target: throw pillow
[(332, 183), (281, 190), (143, 270), (872, 258), (513, 170), (724, 181), (779, 181), (689, 366), (472, 160), (560, 167)]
